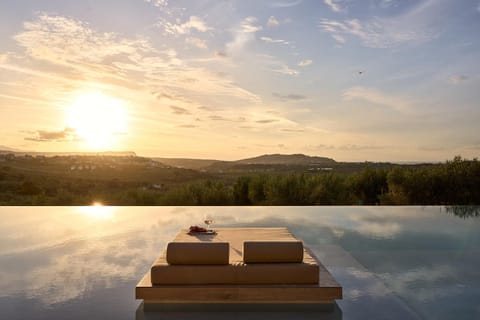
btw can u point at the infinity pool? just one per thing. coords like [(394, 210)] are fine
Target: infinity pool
[(393, 262)]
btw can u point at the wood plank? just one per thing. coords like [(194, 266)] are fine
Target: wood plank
[(326, 291)]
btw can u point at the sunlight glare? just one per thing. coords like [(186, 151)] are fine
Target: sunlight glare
[(98, 211), (98, 119)]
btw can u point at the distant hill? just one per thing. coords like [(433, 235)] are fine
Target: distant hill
[(195, 164), (5, 149), (52, 154), (263, 160), (275, 162), (287, 159)]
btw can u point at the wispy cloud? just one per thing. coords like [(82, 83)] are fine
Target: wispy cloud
[(249, 24), (273, 22), (243, 35), (305, 63), (284, 69), (347, 147), (378, 97), (193, 23), (158, 3), (270, 40), (179, 110), (59, 39), (266, 121), (289, 97), (286, 4), (375, 33), (388, 3), (67, 134), (196, 42), (418, 25), (335, 5)]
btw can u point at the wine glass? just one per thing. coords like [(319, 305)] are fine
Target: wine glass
[(208, 221)]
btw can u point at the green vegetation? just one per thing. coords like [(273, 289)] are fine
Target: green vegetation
[(141, 181)]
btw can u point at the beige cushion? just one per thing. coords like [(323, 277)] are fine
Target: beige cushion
[(257, 273), (237, 272), (272, 251), (197, 253)]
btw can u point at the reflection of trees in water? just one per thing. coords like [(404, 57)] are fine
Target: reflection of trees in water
[(464, 211)]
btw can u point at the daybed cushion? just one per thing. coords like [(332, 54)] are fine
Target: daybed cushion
[(236, 272), (197, 253), (258, 251)]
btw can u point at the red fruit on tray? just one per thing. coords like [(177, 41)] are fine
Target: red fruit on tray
[(197, 229)]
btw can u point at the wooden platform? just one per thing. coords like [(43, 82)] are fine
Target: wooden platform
[(325, 292)]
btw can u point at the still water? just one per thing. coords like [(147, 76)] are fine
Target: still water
[(393, 262)]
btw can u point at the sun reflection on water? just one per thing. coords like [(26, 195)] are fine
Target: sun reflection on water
[(98, 210)]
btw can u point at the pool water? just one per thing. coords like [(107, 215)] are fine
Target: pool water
[(393, 262)]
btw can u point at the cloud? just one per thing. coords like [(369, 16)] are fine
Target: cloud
[(270, 40), (356, 147), (347, 147), (73, 44), (335, 5), (282, 68), (376, 96), (292, 130), (221, 118), (67, 134), (273, 22), (63, 40), (196, 42), (243, 35), (286, 4), (249, 25), (305, 63), (340, 39), (457, 79), (193, 23), (388, 3), (418, 25), (289, 97), (158, 3), (179, 110), (266, 121)]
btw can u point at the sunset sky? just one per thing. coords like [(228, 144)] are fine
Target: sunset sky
[(355, 80)]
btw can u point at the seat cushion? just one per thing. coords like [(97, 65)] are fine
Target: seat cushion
[(259, 251), (197, 253), (237, 272)]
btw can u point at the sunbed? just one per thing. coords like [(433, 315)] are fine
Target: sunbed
[(238, 265)]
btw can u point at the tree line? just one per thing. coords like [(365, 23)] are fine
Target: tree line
[(455, 182)]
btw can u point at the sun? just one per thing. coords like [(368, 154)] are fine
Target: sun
[(98, 119)]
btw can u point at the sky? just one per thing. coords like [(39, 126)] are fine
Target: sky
[(354, 80)]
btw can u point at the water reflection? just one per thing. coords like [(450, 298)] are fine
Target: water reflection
[(397, 262), (97, 210), (464, 211), (248, 311)]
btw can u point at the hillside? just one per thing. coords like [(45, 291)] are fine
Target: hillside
[(18, 153), (195, 164), (287, 159), (272, 162)]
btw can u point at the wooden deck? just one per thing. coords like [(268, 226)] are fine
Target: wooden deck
[(325, 292)]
